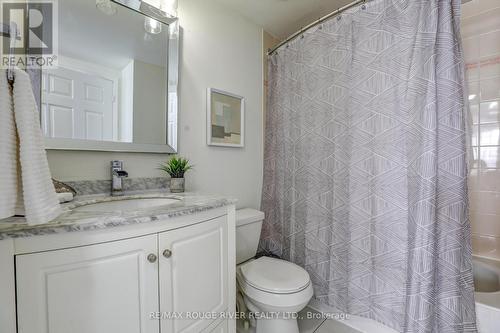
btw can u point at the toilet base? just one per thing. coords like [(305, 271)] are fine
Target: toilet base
[(277, 326)]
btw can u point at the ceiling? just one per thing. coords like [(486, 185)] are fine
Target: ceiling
[(282, 18)]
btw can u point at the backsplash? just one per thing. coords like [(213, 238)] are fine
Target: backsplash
[(88, 187)]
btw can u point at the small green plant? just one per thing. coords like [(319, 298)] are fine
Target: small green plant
[(176, 166)]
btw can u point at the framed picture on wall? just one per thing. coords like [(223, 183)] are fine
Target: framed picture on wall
[(225, 119)]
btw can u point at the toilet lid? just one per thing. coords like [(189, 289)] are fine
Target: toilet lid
[(275, 275)]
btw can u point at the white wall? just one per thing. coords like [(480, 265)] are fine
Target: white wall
[(219, 49)]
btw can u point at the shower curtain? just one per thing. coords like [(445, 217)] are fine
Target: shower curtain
[(365, 172)]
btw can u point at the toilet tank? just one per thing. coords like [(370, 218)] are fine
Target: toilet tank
[(248, 225)]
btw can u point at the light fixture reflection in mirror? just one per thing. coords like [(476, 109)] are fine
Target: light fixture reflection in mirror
[(106, 6), (170, 7), (152, 26)]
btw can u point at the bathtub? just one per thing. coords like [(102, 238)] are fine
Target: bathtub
[(487, 286)]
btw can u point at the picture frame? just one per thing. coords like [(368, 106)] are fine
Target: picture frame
[(225, 119)]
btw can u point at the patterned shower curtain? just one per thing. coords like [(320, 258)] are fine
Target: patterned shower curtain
[(365, 173)]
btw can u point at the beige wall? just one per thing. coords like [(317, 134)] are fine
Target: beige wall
[(219, 49), (87, 165), (150, 103), (481, 40)]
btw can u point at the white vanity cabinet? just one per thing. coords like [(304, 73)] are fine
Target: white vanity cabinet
[(122, 280), (101, 288)]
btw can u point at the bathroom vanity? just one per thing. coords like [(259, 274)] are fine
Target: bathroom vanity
[(145, 263)]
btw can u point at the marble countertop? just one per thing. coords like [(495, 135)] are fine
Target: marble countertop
[(71, 221)]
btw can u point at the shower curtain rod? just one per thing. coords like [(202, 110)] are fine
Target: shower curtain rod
[(315, 23)]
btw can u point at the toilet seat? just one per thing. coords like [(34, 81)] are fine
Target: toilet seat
[(274, 276), (266, 299)]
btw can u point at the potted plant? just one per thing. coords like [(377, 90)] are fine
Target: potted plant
[(176, 167)]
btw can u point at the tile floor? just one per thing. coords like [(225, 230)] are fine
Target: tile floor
[(311, 321)]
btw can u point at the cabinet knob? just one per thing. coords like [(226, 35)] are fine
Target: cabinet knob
[(152, 257), (167, 253)]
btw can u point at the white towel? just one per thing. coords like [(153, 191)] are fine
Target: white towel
[(38, 194), (9, 177)]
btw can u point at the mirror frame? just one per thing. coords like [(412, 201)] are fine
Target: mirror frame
[(172, 85)]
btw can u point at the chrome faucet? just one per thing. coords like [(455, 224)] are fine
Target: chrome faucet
[(117, 174)]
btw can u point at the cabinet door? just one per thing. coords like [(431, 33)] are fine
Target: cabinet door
[(193, 275), (103, 288)]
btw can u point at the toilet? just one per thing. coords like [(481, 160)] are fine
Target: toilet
[(273, 290)]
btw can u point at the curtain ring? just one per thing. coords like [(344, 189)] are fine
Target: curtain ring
[(339, 16)]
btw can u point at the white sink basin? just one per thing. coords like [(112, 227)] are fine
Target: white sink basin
[(126, 205)]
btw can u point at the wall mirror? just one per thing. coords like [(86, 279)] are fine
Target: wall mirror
[(115, 86)]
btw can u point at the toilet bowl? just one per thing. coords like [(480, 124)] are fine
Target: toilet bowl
[(274, 290)]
